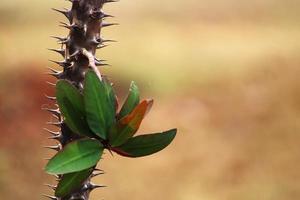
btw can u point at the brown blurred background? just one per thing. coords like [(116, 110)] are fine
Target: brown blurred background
[(225, 72)]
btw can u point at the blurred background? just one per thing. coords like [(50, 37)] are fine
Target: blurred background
[(225, 72)]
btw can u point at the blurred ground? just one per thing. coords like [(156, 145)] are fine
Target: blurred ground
[(225, 72)]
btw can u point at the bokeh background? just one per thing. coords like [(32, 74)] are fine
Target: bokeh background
[(225, 72)]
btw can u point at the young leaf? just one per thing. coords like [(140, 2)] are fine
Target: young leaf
[(131, 102), (76, 156), (71, 105), (71, 182), (129, 125), (111, 94), (145, 145), (99, 105)]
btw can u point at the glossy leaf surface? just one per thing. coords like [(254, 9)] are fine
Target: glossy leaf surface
[(71, 105), (71, 182), (129, 125), (145, 145), (99, 107), (76, 156), (131, 102)]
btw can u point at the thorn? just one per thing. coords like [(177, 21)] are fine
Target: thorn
[(66, 13), (100, 41), (109, 24), (55, 137), (50, 197), (111, 1), (76, 197), (59, 38), (49, 97), (110, 151), (92, 186), (51, 132), (95, 41), (101, 64), (58, 117), (55, 75), (53, 111), (107, 15), (58, 124), (57, 177), (54, 147), (102, 46), (53, 70), (53, 187), (103, 41), (98, 14), (99, 60), (75, 54), (94, 174), (98, 170), (64, 42), (62, 63), (60, 51), (65, 25), (52, 84), (70, 27)]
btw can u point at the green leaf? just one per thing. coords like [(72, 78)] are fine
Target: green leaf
[(111, 95), (129, 125), (145, 145), (76, 156), (99, 106), (131, 102), (71, 182), (71, 105)]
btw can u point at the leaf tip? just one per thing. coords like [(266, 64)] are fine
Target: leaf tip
[(133, 86), (48, 169), (172, 133)]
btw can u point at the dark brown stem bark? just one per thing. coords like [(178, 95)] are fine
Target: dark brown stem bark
[(85, 21)]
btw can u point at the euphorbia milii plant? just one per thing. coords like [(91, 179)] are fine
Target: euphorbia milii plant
[(88, 113)]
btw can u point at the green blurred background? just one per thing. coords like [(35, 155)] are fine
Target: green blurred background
[(225, 72)]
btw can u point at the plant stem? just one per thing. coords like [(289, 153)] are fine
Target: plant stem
[(85, 22)]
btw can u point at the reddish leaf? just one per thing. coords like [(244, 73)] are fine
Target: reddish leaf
[(129, 125)]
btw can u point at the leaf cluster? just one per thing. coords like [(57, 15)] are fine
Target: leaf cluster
[(93, 114)]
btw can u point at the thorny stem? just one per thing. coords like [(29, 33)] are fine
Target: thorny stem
[(78, 50)]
